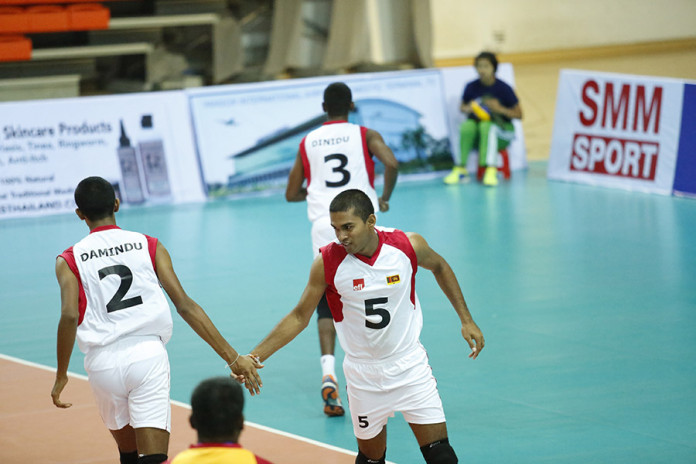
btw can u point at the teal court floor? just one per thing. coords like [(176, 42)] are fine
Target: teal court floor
[(586, 297)]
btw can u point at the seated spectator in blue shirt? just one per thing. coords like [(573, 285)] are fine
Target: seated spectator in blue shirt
[(490, 105)]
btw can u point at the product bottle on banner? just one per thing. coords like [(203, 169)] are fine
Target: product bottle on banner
[(132, 191), (154, 162)]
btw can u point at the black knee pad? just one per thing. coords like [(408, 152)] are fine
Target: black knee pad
[(362, 459), (152, 459), (129, 458), (439, 452)]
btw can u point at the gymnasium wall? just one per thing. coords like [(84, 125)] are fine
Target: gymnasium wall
[(464, 27)]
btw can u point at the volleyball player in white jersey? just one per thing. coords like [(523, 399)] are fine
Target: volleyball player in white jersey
[(111, 301), (332, 158), (369, 280)]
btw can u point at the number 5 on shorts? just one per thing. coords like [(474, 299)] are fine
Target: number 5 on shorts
[(362, 422)]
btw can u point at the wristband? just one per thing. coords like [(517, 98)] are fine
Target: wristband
[(233, 362)]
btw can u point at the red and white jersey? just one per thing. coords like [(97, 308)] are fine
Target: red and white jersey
[(373, 300), (119, 292), (335, 158)]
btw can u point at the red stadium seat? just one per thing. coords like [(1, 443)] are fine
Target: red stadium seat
[(15, 48)]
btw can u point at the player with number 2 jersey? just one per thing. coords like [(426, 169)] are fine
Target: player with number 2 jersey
[(119, 294), (112, 303)]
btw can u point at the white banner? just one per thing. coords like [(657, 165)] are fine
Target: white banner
[(616, 130), (141, 143), (455, 79), (248, 135)]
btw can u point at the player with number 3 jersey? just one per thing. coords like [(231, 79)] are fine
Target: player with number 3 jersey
[(337, 156), (111, 301), (369, 281)]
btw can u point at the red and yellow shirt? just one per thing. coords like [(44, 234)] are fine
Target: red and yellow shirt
[(217, 453)]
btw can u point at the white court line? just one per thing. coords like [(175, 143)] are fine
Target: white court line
[(188, 406)]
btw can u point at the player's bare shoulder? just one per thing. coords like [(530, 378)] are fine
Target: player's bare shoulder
[(425, 255), (417, 240)]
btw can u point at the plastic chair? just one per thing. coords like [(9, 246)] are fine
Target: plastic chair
[(503, 168)]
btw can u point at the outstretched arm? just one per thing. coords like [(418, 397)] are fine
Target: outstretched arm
[(429, 259), (297, 319), (294, 190), (376, 146), (244, 367), (67, 328)]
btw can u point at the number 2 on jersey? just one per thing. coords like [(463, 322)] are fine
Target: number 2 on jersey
[(117, 302), (342, 163)]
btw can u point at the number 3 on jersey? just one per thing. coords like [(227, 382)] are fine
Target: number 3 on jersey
[(340, 169), (372, 310)]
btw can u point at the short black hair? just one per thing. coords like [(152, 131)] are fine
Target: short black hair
[(356, 199), (216, 408), (490, 56), (95, 198), (337, 99)]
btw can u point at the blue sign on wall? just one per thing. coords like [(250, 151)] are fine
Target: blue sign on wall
[(685, 175)]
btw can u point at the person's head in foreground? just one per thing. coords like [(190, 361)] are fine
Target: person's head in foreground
[(216, 410)]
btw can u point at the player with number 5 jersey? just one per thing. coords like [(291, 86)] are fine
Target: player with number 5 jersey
[(373, 299), (112, 303), (369, 281), (333, 158)]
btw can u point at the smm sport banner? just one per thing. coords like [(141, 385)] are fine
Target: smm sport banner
[(141, 143), (616, 130)]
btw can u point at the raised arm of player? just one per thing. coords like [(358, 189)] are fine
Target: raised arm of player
[(67, 328), (294, 190), (297, 319), (243, 367), (376, 146), (429, 259)]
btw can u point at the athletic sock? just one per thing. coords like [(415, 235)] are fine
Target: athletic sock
[(328, 365)]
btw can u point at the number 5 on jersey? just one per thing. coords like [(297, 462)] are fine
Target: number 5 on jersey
[(372, 310)]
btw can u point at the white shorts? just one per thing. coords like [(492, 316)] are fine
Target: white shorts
[(322, 234), (130, 381), (377, 390)]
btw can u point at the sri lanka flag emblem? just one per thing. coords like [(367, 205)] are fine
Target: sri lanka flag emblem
[(393, 279)]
